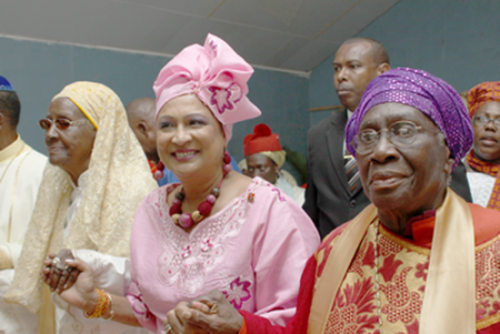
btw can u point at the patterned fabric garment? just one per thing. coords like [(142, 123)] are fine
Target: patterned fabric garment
[(253, 251), (392, 285)]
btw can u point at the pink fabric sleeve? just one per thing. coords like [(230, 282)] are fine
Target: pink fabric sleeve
[(254, 324), (281, 248), (141, 311)]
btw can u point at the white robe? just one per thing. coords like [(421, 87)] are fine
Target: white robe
[(111, 273), (481, 185), (21, 170), (292, 190)]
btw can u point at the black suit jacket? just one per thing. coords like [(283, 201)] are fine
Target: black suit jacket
[(328, 201)]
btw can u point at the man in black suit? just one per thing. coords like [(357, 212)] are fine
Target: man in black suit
[(332, 196)]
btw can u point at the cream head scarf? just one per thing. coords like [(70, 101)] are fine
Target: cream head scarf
[(119, 179)]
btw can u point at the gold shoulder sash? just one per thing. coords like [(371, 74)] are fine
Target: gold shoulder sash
[(344, 248), (449, 304)]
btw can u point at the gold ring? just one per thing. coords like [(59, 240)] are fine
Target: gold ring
[(167, 328)]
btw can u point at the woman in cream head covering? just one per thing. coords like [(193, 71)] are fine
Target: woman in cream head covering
[(87, 199), (216, 228)]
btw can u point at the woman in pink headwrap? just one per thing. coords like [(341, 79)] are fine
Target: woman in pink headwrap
[(483, 161), (216, 229)]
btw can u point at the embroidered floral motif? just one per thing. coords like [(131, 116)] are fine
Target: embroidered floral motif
[(367, 249), (187, 257), (403, 305), (413, 328), (206, 245), (323, 253), (422, 269), (353, 309), (238, 292), (387, 246), (389, 267), (225, 98), (488, 281), (402, 296), (325, 248)]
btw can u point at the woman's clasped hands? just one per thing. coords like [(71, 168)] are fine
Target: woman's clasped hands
[(211, 313)]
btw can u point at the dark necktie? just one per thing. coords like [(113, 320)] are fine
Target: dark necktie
[(352, 174)]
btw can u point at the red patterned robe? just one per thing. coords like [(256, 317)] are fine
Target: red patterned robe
[(401, 273)]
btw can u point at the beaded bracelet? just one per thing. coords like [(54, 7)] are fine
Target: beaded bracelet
[(102, 306)]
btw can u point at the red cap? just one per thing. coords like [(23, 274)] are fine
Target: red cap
[(262, 139)]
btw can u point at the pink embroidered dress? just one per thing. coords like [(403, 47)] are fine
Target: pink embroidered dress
[(254, 251)]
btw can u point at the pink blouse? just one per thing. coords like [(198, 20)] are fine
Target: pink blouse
[(254, 251)]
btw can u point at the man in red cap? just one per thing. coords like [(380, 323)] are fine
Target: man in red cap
[(264, 158)]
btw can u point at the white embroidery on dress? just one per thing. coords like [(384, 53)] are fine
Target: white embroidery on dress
[(186, 257)]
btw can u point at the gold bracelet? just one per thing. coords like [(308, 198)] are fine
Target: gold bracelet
[(110, 312), (102, 306)]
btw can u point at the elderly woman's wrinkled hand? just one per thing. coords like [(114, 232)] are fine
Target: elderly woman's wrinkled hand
[(57, 273), (211, 313), (79, 289)]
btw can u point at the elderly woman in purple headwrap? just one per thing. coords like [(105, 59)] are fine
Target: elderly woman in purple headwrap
[(216, 229), (419, 259)]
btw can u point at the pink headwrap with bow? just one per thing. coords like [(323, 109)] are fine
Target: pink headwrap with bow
[(216, 74)]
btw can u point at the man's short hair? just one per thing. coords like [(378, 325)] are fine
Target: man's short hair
[(379, 52), (10, 106)]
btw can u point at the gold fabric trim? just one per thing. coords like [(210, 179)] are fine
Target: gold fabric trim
[(344, 248), (5, 261), (450, 288), (486, 244), (487, 322), (47, 314)]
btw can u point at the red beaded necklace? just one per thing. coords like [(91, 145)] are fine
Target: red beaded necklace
[(186, 220)]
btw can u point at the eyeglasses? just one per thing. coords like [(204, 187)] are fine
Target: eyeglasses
[(61, 123), (483, 120), (402, 134)]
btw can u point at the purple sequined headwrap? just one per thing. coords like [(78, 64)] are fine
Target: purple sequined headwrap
[(425, 92)]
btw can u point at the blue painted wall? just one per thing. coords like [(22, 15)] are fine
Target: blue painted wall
[(456, 40), (39, 70)]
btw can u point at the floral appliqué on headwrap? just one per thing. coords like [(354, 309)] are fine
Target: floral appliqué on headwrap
[(225, 98)]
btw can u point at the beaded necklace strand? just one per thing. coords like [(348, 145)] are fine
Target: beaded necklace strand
[(187, 220)]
